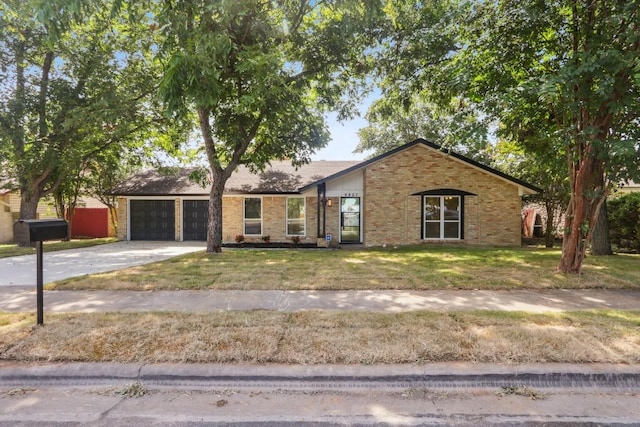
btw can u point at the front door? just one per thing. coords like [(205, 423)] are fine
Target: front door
[(350, 219)]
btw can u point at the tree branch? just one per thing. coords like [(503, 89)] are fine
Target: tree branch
[(42, 96)]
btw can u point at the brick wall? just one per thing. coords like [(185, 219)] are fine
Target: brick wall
[(393, 216), (123, 220), (274, 219), (177, 206)]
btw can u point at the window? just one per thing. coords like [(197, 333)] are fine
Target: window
[(442, 218), (295, 216), (253, 216)]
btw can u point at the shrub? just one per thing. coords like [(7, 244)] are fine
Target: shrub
[(624, 221), (266, 239), (295, 240), (239, 238)]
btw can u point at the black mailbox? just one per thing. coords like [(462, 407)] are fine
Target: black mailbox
[(38, 230)]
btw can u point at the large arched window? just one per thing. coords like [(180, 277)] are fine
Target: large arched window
[(442, 214)]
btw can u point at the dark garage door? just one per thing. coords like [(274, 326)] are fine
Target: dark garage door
[(152, 220), (194, 223)]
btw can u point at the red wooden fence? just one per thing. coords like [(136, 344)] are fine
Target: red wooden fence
[(90, 222)]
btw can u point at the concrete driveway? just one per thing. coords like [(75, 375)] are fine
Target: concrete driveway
[(21, 270)]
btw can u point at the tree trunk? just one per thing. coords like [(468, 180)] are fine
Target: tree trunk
[(29, 199), (586, 173), (549, 232), (573, 238), (71, 210), (214, 225), (600, 244), (28, 208)]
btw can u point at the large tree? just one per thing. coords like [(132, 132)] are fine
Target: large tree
[(76, 79), (393, 122), (544, 167), (564, 72), (256, 76)]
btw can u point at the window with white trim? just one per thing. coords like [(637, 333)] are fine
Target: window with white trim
[(295, 216), (253, 216), (442, 217)]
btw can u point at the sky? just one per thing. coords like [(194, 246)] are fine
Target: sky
[(344, 136), (344, 139)]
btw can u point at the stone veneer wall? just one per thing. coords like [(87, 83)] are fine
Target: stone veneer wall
[(393, 216)]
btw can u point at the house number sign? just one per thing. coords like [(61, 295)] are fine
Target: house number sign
[(351, 195)]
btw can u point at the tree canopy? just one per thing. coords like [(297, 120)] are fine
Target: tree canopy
[(257, 76), (77, 79), (562, 74)]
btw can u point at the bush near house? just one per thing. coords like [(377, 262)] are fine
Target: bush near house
[(624, 221)]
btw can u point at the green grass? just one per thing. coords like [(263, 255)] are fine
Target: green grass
[(416, 267), (9, 250)]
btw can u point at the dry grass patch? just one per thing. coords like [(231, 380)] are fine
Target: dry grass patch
[(326, 337), (9, 250), (417, 267)]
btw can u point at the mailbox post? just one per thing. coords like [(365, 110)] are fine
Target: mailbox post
[(36, 231)]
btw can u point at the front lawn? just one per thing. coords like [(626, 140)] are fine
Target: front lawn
[(416, 267), (313, 337)]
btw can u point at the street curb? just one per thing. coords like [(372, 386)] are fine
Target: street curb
[(437, 376)]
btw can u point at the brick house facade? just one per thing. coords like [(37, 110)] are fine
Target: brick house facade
[(417, 193)]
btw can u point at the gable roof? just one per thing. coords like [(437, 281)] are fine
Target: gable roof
[(279, 178), (532, 189)]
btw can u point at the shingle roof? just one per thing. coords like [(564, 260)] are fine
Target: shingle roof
[(280, 177)]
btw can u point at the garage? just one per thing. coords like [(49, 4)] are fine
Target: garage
[(152, 219), (195, 214)]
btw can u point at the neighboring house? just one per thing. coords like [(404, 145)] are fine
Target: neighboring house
[(10, 213), (6, 217), (627, 187), (412, 194), (534, 215)]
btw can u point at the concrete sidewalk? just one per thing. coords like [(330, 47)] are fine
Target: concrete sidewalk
[(20, 298)]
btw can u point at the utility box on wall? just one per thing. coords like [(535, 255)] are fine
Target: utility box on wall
[(39, 230)]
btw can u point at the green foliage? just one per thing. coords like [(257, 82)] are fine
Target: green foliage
[(77, 81), (624, 221), (456, 126), (256, 77), (558, 77)]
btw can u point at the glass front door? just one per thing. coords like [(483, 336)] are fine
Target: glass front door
[(350, 220)]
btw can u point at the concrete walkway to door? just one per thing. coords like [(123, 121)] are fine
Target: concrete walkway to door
[(21, 270)]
